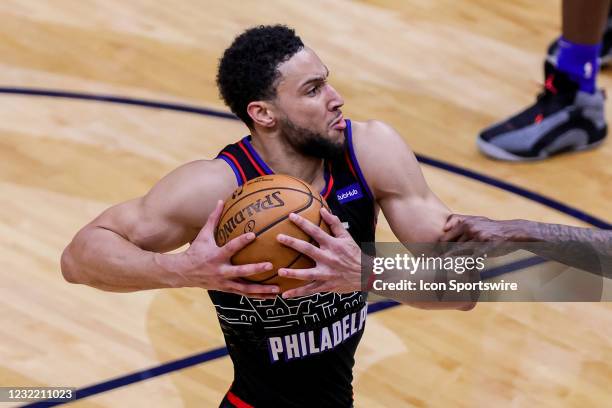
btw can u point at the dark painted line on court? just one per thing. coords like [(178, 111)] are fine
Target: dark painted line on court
[(488, 274), (119, 100), (222, 351), (164, 369), (531, 195), (373, 308), (140, 376)]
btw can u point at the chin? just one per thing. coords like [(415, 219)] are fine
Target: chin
[(336, 136), (339, 138)]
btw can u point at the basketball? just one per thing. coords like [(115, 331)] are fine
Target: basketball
[(262, 206)]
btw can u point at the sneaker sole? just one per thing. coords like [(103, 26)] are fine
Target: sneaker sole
[(495, 152)]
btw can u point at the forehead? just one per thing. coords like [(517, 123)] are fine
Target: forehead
[(301, 67)]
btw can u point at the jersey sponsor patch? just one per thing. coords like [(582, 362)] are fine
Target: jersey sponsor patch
[(305, 343), (350, 193)]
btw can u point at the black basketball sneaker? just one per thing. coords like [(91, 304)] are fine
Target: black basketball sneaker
[(562, 119)]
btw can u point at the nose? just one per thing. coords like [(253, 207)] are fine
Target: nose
[(335, 99)]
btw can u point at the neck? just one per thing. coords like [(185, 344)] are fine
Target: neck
[(283, 159)]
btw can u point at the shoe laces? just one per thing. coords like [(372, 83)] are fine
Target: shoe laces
[(548, 89), (549, 84)]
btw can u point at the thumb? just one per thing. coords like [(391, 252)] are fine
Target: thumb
[(452, 221), (208, 231)]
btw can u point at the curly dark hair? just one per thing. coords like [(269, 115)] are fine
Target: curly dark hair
[(248, 68)]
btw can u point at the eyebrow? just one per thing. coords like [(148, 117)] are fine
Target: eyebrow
[(317, 78)]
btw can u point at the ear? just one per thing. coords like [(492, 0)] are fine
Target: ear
[(262, 113)]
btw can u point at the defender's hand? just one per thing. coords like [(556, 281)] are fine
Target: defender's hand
[(495, 235), (338, 258), (465, 228)]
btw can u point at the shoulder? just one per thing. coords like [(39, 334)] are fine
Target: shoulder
[(200, 174), (383, 155), (374, 140), (375, 130), (189, 193)]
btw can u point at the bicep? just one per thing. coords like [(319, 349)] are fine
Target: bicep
[(172, 213)]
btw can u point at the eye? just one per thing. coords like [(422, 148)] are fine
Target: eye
[(313, 91)]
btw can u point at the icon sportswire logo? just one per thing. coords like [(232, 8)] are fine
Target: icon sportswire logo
[(350, 193)]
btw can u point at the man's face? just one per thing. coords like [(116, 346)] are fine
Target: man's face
[(308, 107)]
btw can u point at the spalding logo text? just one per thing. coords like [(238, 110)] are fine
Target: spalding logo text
[(270, 201)]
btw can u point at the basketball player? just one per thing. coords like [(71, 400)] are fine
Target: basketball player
[(286, 352), (568, 115)]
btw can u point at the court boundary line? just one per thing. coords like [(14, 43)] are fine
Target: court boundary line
[(179, 107), (216, 353), (219, 352)]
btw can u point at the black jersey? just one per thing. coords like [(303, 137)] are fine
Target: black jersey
[(298, 352)]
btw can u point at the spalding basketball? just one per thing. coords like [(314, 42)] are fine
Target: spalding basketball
[(262, 206)]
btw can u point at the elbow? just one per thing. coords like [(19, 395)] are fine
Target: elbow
[(68, 267)]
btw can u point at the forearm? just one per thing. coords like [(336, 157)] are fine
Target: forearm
[(585, 248), (543, 232), (102, 259)]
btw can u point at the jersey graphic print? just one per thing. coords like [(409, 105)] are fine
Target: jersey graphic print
[(278, 312), (305, 343)]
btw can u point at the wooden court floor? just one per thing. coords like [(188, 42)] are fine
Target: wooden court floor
[(438, 71)]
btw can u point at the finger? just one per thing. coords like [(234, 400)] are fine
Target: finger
[(452, 221), (305, 290), (453, 234), (237, 244), (301, 246), (213, 219), (242, 271), (308, 227), (334, 223), (305, 274), (253, 288), (448, 224)]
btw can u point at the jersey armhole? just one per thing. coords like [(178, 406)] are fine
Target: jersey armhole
[(231, 161), (353, 160)]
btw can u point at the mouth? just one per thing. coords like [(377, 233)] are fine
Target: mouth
[(339, 123)]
